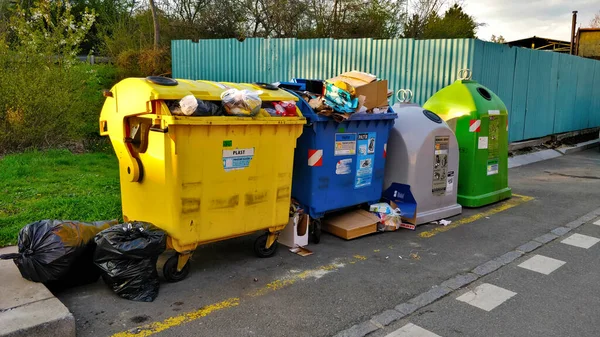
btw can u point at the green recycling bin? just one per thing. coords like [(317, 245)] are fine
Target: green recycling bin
[(480, 121)]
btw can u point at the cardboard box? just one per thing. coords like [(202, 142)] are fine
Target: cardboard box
[(375, 92), (295, 234), (352, 224)]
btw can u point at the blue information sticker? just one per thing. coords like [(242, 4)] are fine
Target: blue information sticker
[(365, 159)]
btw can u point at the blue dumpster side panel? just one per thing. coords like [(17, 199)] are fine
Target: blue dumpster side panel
[(332, 184)]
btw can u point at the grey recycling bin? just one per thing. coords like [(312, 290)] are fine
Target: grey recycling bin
[(421, 172)]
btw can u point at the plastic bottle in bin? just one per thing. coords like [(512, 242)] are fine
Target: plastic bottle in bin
[(285, 109)]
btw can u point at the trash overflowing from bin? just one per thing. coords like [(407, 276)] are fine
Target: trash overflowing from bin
[(352, 92), (232, 101), (192, 106), (58, 252), (127, 255)]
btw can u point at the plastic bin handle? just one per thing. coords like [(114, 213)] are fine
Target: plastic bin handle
[(465, 74), (404, 95)]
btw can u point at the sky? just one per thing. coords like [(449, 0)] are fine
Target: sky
[(518, 19)]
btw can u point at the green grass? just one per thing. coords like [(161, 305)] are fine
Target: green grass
[(56, 184)]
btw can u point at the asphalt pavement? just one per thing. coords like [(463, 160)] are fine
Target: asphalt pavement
[(230, 292), (550, 292)]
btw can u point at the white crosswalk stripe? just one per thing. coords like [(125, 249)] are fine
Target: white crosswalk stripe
[(542, 264), (411, 330), (581, 241), (597, 223), (486, 296)]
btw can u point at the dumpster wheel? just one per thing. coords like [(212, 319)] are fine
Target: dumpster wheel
[(314, 234), (170, 269), (260, 246)]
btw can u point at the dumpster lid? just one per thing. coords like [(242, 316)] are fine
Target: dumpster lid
[(147, 90)]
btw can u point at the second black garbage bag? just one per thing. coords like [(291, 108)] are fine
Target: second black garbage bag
[(127, 256)]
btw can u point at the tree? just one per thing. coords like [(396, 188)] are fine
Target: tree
[(354, 18), (426, 22), (455, 23), (595, 22), (50, 30), (497, 39), (155, 22)]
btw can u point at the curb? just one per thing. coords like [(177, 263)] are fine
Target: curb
[(534, 157), (578, 147), (459, 281), (28, 308)]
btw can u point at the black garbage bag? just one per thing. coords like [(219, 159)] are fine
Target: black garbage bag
[(58, 252), (127, 255), (206, 108)]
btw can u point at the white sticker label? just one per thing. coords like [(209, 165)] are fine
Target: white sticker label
[(362, 150), (343, 166), (493, 112), (483, 143), (345, 144), (450, 182), (492, 167), (237, 159)]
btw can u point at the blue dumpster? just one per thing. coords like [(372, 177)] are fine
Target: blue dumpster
[(339, 164)]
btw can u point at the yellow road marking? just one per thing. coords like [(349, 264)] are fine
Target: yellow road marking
[(171, 322), (291, 279), (156, 327), (516, 200)]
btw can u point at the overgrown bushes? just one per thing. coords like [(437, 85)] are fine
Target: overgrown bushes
[(47, 98), (46, 106)]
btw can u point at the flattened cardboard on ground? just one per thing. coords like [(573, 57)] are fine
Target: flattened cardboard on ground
[(367, 85), (351, 225)]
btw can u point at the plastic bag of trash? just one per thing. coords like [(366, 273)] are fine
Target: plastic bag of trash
[(58, 251), (390, 222), (127, 256), (205, 108), (382, 208), (188, 105), (244, 103)]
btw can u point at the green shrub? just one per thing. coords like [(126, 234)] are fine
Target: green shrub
[(144, 62), (47, 98), (44, 106)]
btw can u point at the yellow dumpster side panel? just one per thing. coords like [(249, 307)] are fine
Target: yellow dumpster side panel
[(154, 190), (187, 192)]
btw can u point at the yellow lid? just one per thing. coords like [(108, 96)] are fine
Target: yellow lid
[(141, 88)]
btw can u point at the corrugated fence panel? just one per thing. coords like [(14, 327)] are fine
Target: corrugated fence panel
[(595, 103), (541, 95), (494, 67), (584, 93), (566, 89), (544, 92), (424, 66)]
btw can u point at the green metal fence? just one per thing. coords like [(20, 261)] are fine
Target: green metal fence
[(545, 92)]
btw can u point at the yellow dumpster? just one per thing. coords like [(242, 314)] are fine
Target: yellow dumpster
[(200, 179)]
